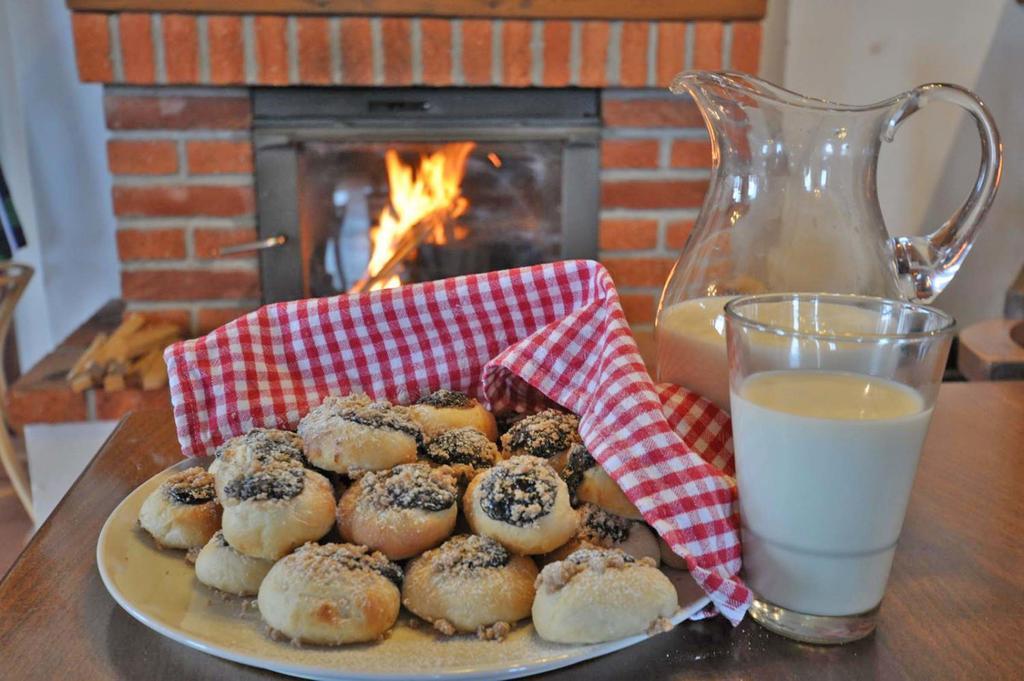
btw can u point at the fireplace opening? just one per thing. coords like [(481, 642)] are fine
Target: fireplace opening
[(362, 189)]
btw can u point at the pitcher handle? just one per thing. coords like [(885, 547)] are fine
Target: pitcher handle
[(930, 261)]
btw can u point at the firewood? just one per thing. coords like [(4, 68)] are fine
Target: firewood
[(79, 376), (131, 355)]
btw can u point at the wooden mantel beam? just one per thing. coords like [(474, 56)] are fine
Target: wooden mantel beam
[(646, 10)]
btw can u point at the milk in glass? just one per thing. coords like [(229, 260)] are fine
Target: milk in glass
[(826, 460)]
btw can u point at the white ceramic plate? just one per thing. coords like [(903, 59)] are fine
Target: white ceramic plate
[(158, 588)]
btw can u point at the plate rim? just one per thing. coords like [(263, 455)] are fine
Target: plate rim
[(558, 661)]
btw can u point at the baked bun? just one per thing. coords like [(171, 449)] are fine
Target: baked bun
[(601, 529), (523, 504), (221, 567), (260, 445), (444, 410), (670, 557), (549, 434), (182, 513), (331, 594), (400, 512), (354, 434), (589, 483), (270, 508), (598, 595), (466, 451), (470, 583)]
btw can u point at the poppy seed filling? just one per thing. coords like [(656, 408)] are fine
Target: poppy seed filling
[(447, 399), (602, 527), (384, 419), (462, 445), (580, 461), (270, 483), (516, 497), (410, 486), (470, 552)]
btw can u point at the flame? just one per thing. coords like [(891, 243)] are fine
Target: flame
[(431, 193)]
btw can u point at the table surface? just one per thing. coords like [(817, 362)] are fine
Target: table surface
[(953, 608)]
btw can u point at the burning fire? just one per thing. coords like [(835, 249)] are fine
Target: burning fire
[(424, 203)]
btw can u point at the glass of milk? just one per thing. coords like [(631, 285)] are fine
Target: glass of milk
[(831, 397)]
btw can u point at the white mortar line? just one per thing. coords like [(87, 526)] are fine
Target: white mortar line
[(613, 58), (334, 38), (537, 52), (575, 52), (292, 41), (688, 45), (625, 174), (159, 58), (249, 49), (181, 179), (416, 50), (652, 54), (116, 58), (497, 58), (727, 46), (204, 49), (377, 42), (458, 76)]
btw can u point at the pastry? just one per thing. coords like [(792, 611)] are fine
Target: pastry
[(331, 594), (258, 445), (354, 434), (549, 434), (601, 529), (588, 482), (670, 557), (523, 504), (598, 595), (444, 410), (470, 584), (466, 451), (400, 512), (182, 513), (221, 567), (272, 507)]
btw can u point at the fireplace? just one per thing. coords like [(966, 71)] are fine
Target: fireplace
[(365, 188), (201, 97)]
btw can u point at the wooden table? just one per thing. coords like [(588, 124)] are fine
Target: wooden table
[(953, 608)]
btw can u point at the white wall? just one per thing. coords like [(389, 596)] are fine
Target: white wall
[(52, 138), (862, 52)]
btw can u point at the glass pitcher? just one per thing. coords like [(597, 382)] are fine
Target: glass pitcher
[(793, 207)]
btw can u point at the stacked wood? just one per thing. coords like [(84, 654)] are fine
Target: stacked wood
[(130, 356)]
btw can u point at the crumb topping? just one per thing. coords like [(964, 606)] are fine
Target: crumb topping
[(556, 575), (332, 561), (466, 554), (447, 399), (659, 626), (445, 627), (191, 486), (266, 444), (519, 490), (544, 434), (462, 446), (498, 631), (276, 480), (580, 461), (411, 485), (602, 528)]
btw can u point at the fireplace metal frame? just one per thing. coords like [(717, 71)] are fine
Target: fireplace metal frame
[(283, 118)]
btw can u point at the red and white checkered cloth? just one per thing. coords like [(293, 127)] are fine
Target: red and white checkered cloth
[(514, 338)]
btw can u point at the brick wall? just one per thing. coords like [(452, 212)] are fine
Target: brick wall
[(183, 187), (181, 154)]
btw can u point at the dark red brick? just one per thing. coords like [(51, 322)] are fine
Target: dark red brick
[(643, 194), (174, 112), (178, 284), (183, 200)]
